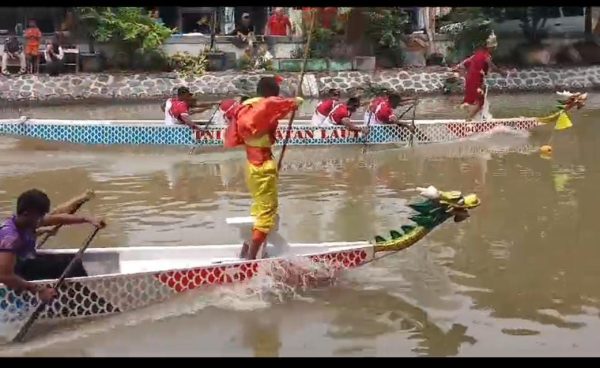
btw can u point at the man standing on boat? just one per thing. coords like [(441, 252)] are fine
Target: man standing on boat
[(325, 107), (476, 68), (18, 241), (254, 125)]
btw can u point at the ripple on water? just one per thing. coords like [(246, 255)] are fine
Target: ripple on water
[(445, 296)]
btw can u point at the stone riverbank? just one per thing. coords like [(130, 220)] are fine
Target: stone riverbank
[(425, 81)]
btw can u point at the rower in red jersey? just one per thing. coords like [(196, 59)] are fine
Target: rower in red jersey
[(381, 110), (340, 115), (224, 114), (325, 107)]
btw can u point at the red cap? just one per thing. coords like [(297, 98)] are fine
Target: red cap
[(226, 104), (278, 79)]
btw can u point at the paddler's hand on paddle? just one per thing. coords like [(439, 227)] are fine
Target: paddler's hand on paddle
[(47, 294), (365, 130), (299, 101), (97, 222), (49, 231)]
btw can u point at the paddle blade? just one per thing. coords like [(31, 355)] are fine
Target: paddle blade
[(563, 122)]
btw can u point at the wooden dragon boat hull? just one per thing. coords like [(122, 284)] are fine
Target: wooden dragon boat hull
[(156, 133)]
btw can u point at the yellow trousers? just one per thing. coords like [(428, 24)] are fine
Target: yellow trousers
[(262, 184)]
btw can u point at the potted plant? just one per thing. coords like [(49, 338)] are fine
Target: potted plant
[(216, 59), (386, 28), (87, 21), (321, 45), (129, 29)]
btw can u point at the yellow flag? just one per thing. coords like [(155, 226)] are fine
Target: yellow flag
[(563, 122)]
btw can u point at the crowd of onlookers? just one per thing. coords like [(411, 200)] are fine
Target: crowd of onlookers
[(28, 55)]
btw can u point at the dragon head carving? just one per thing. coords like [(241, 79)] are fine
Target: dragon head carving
[(437, 207)]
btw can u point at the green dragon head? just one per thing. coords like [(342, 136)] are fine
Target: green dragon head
[(434, 210)]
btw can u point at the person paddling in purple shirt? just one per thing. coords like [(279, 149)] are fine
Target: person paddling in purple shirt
[(18, 240)]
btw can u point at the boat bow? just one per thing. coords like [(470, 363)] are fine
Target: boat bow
[(437, 207)]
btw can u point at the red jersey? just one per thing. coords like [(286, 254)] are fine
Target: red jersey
[(384, 112), (325, 107), (478, 62), (227, 108), (179, 108), (341, 112), (475, 65), (278, 25), (376, 101)]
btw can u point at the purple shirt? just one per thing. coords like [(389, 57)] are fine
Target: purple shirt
[(14, 241)]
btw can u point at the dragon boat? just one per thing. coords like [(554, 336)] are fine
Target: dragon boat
[(303, 133), (116, 280)]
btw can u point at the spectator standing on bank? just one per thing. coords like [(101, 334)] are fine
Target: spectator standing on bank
[(279, 24), (33, 38)]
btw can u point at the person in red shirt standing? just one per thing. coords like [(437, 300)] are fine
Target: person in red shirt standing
[(324, 107), (340, 115), (279, 24), (477, 67), (254, 125), (33, 37)]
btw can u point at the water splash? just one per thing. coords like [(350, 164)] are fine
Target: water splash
[(277, 281)]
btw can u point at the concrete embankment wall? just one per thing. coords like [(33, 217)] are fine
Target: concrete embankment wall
[(126, 87)]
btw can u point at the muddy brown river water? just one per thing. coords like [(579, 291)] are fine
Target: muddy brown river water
[(519, 278)]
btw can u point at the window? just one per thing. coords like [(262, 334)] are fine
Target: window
[(572, 11), (190, 16)]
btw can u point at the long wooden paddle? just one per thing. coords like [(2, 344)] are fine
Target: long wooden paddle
[(414, 128), (34, 316), (299, 91), (193, 149), (366, 140), (89, 196)]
